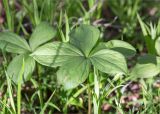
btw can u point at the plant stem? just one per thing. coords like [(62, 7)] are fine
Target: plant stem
[(40, 95), (19, 89), (96, 92), (89, 100)]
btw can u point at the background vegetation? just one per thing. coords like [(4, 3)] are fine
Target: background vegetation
[(134, 21)]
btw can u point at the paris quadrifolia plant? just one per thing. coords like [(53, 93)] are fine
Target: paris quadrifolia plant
[(82, 54), (148, 65), (76, 59)]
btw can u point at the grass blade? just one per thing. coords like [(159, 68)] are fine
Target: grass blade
[(10, 91), (47, 103)]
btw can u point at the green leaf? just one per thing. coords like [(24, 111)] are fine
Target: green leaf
[(144, 71), (84, 37), (146, 67), (157, 46), (11, 48), (13, 43), (14, 67), (123, 47), (42, 33), (109, 61), (55, 54), (144, 27), (74, 72)]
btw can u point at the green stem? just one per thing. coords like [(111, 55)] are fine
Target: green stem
[(19, 89), (89, 100), (40, 95), (96, 90)]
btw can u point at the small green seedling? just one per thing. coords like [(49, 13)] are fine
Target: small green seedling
[(10, 42), (151, 33), (148, 65)]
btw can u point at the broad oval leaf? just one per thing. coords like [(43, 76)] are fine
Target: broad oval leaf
[(157, 46), (55, 54), (13, 43), (15, 67), (109, 61), (146, 67), (42, 33), (11, 48), (123, 47), (74, 72), (84, 37), (144, 71)]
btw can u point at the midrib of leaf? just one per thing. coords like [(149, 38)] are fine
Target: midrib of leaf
[(80, 53), (7, 43), (103, 54), (81, 61), (86, 61), (84, 70), (22, 41), (71, 49), (112, 64), (61, 48)]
